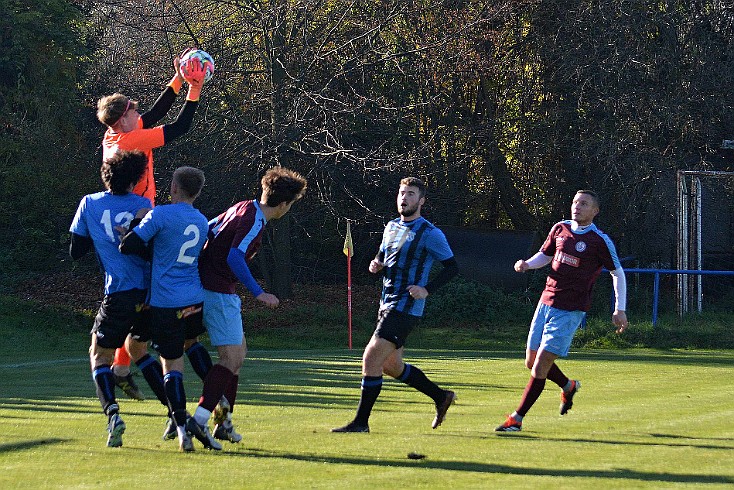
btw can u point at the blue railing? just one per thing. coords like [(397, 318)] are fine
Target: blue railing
[(656, 282)]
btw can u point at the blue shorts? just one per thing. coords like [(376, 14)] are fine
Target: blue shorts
[(223, 318), (553, 329)]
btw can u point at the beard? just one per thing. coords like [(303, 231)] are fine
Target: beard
[(407, 210)]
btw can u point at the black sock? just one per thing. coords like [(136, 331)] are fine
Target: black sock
[(173, 382), (153, 374), (371, 387), (412, 376), (104, 383), (200, 359)]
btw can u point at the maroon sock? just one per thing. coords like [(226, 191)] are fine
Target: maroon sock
[(556, 375), (531, 394), (215, 383), (231, 391)]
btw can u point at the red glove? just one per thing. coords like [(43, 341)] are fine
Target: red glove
[(193, 72)]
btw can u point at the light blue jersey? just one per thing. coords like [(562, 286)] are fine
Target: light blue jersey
[(409, 248), (178, 232), (96, 218)]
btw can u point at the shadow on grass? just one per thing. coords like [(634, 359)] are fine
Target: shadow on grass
[(478, 467), (676, 436), (307, 378), (624, 443), (661, 356), (19, 446)]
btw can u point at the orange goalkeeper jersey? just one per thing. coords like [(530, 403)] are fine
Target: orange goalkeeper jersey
[(138, 139)]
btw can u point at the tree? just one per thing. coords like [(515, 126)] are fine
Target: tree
[(42, 150)]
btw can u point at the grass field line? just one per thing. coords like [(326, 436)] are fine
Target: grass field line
[(254, 354), (50, 362), (251, 355)]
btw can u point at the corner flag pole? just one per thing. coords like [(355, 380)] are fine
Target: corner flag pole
[(349, 252)]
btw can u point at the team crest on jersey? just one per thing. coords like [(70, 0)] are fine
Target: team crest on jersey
[(580, 246)]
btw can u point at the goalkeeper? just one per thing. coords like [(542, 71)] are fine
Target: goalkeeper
[(129, 130)]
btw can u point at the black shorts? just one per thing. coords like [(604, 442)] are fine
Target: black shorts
[(395, 326), (120, 314), (171, 326), (195, 321)]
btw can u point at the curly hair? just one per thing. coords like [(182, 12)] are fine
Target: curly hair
[(123, 169), (280, 184)]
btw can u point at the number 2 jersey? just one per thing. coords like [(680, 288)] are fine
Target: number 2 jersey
[(578, 258), (96, 218), (178, 232)]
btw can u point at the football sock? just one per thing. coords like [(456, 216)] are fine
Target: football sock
[(412, 376), (231, 391), (153, 374), (200, 359), (517, 416), (112, 410), (371, 387), (105, 386), (556, 375), (121, 364), (531, 394), (173, 382), (202, 415), (121, 371), (215, 384)]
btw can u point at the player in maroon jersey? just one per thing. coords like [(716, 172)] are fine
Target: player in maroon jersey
[(577, 250), (234, 238)]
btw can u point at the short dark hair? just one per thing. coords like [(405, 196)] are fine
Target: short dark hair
[(591, 193), (190, 180), (122, 169), (282, 185), (415, 182)]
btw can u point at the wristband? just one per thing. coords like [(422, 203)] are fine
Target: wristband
[(176, 84), (194, 93)]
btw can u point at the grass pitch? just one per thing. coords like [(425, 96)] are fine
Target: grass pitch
[(642, 419)]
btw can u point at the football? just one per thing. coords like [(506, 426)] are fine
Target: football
[(204, 58)]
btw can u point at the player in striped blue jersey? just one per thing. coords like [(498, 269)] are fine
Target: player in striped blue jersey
[(176, 293), (410, 246)]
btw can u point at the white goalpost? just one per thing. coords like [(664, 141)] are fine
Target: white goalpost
[(704, 226)]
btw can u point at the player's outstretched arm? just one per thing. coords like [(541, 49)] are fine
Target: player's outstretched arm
[(166, 99), (535, 262)]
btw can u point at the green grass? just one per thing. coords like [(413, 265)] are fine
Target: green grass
[(643, 419)]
